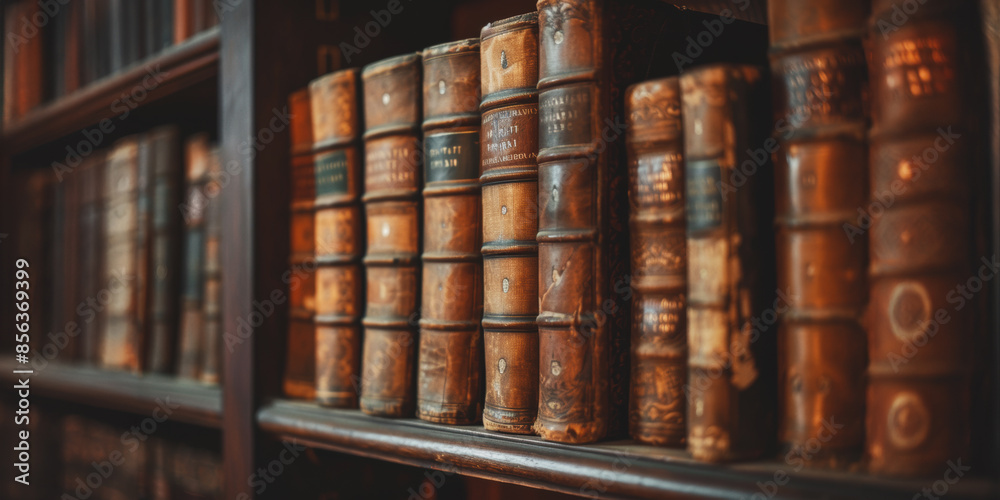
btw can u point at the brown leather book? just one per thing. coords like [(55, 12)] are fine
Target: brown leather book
[(91, 279), (121, 339), (820, 82), (922, 323), (508, 158), (731, 358), (393, 177), (165, 247), (211, 348), (449, 374), (184, 22), (340, 244), (589, 52), (196, 158), (655, 143), (300, 360), (23, 69)]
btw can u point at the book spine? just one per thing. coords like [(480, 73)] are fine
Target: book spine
[(731, 346), (300, 366), (922, 156), (508, 156), (393, 159), (340, 285), (211, 363), (820, 79), (165, 249), (655, 145), (91, 255), (196, 151), (449, 375), (120, 341)]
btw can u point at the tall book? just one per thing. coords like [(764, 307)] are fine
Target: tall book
[(655, 143), (589, 51), (165, 250), (121, 340), (393, 159), (449, 379), (820, 82), (340, 281), (211, 347), (731, 342), (91, 279), (23, 48), (923, 146), (143, 240), (196, 158), (300, 365), (508, 159)]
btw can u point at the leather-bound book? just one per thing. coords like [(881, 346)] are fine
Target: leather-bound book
[(655, 143), (165, 248), (211, 347), (91, 279), (300, 360), (340, 239), (189, 359), (393, 177), (820, 82), (589, 52), (508, 155), (23, 83), (143, 239), (923, 145), (449, 374), (121, 337), (731, 345)]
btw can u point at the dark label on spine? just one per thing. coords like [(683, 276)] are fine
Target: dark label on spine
[(704, 195), (452, 156), (331, 173), (564, 116)]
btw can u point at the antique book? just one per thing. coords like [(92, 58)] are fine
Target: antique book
[(923, 152), (211, 347), (340, 282), (731, 308), (143, 238), (393, 177), (300, 359), (589, 52), (165, 250), (23, 69), (820, 82), (121, 339), (91, 279), (508, 158), (196, 158), (655, 144), (449, 367)]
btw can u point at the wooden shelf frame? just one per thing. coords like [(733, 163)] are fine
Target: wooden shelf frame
[(179, 67), (616, 469), (199, 404)]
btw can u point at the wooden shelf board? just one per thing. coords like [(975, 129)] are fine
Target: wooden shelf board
[(199, 404), (179, 67), (620, 469)]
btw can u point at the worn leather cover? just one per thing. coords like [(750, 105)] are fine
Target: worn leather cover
[(655, 142), (300, 359), (819, 83), (449, 376), (393, 178), (340, 243), (731, 337), (922, 155), (509, 166)]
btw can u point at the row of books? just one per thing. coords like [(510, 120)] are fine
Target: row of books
[(133, 268), (501, 232), (67, 44)]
